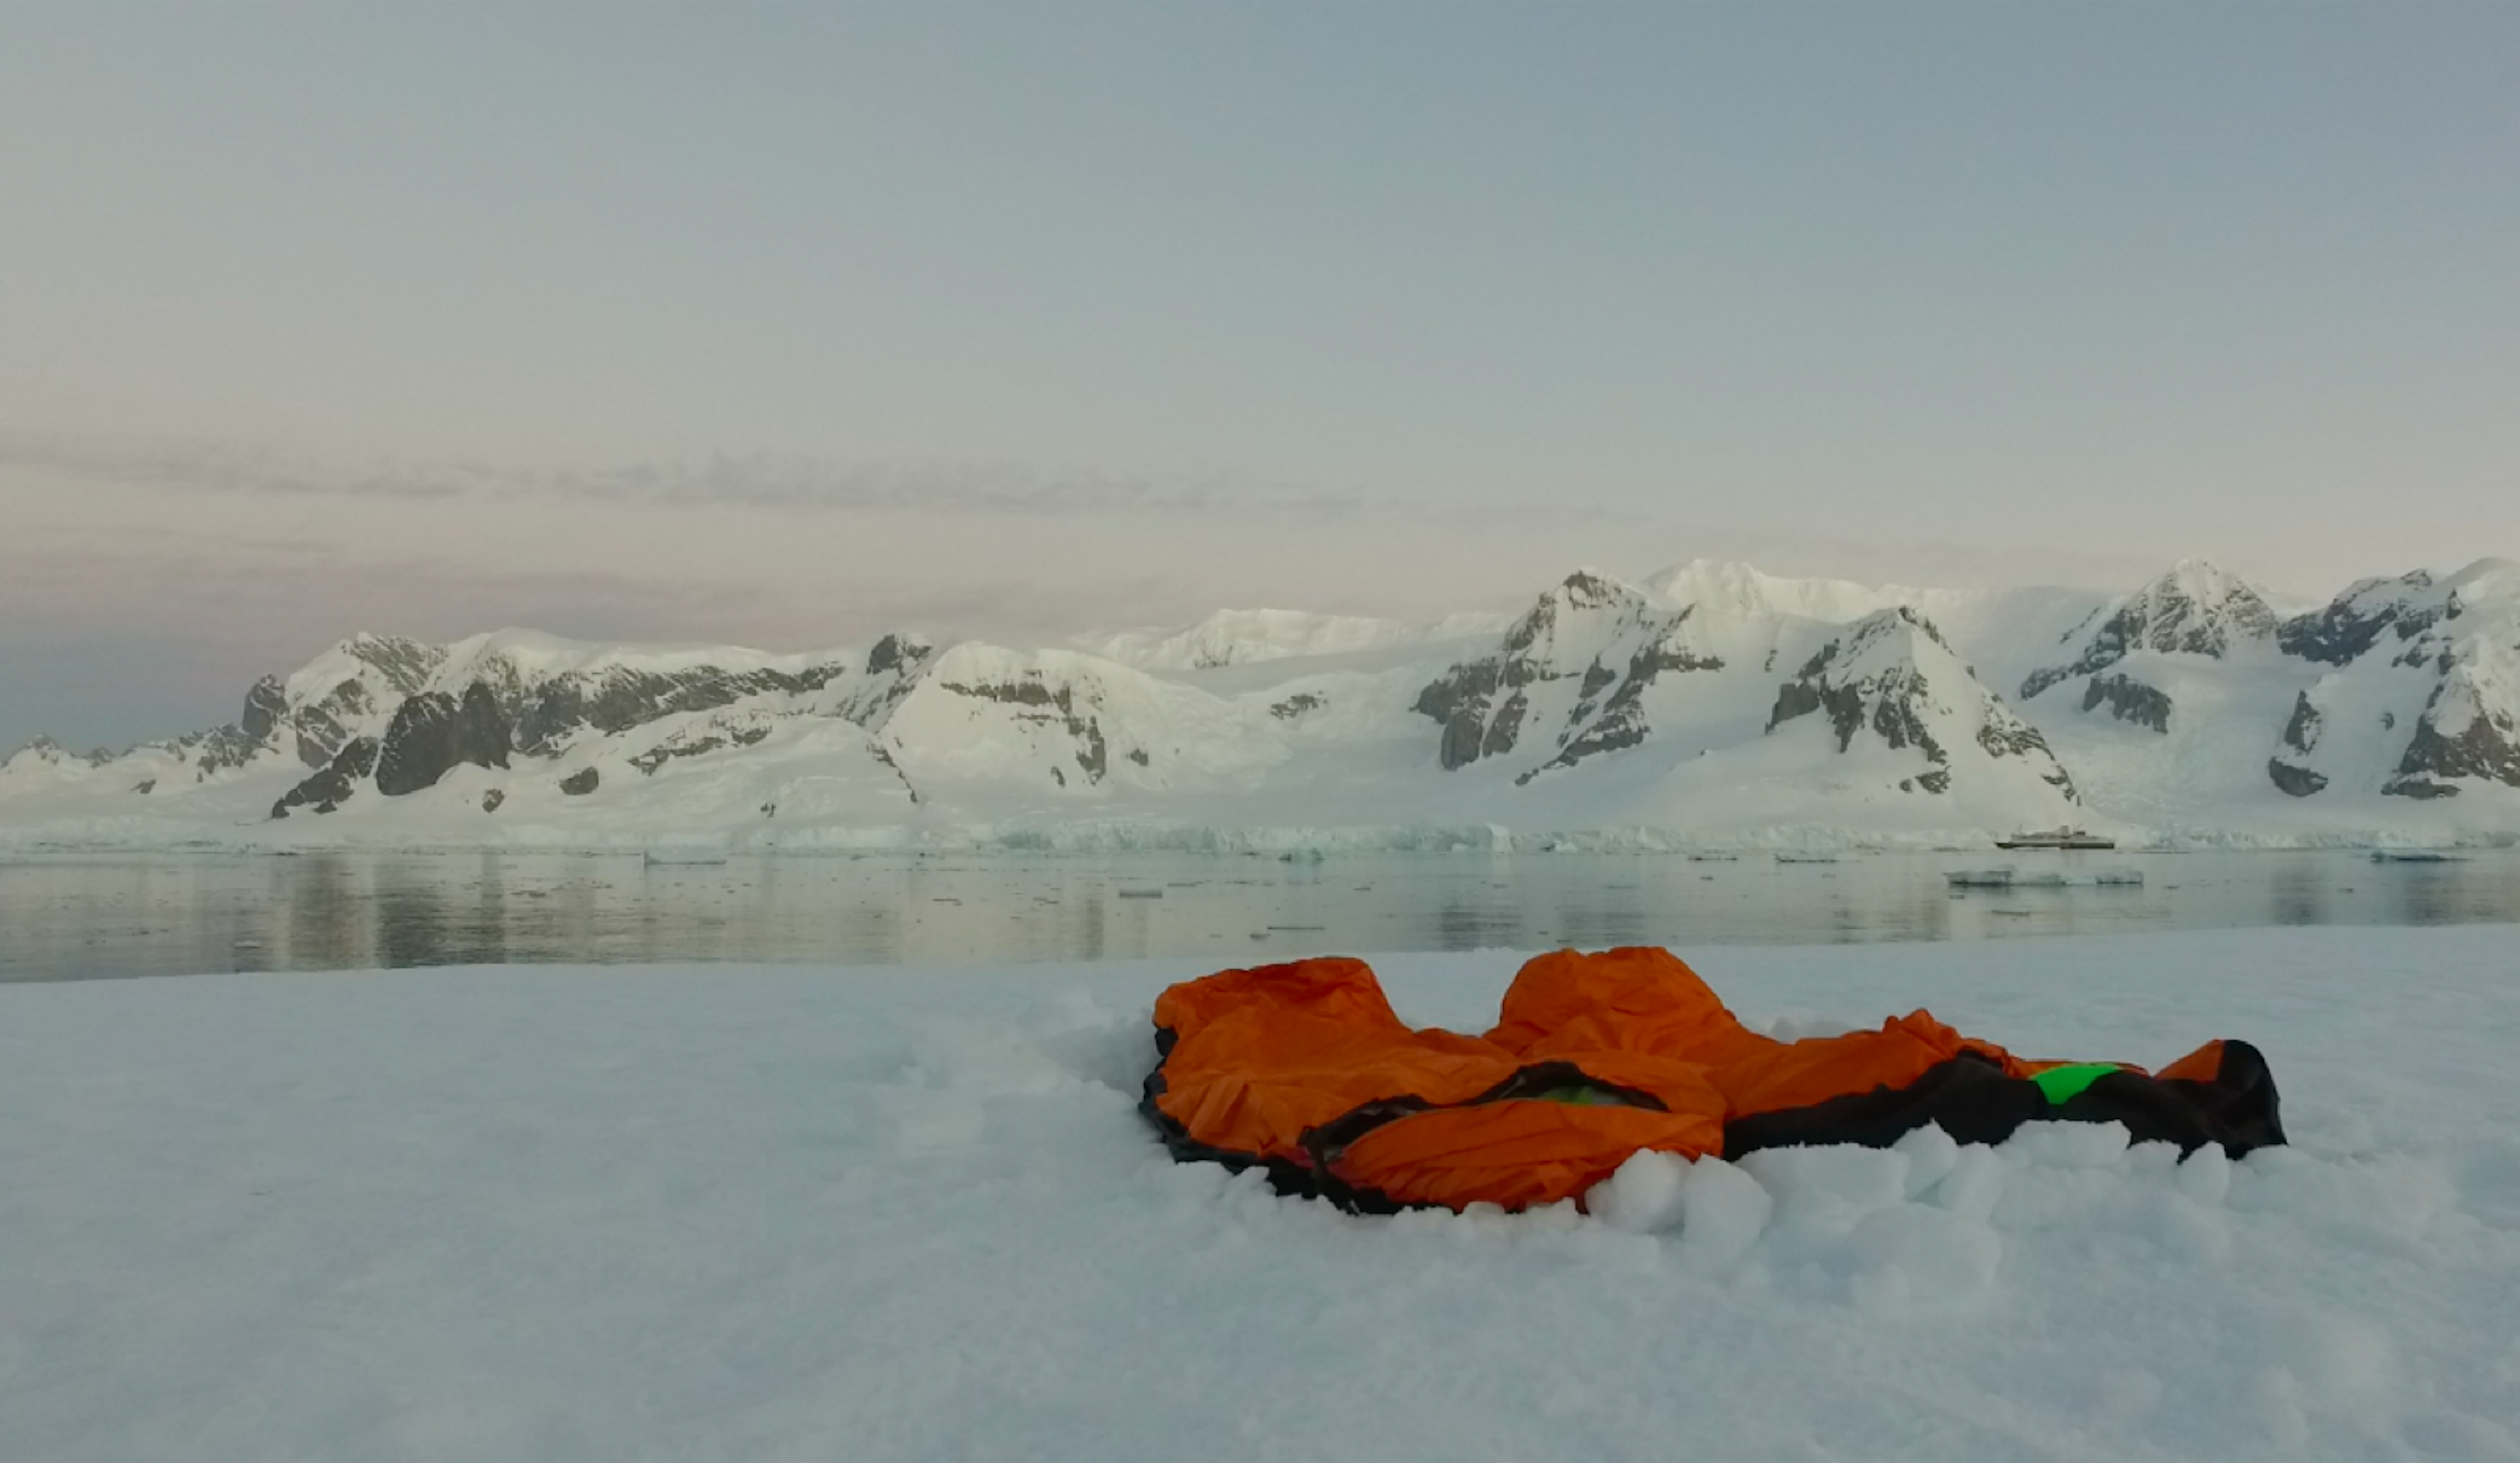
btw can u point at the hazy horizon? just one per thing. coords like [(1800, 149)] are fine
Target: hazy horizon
[(786, 325)]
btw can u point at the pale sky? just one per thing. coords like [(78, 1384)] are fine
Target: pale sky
[(788, 325)]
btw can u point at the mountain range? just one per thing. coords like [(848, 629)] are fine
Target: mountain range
[(1708, 704)]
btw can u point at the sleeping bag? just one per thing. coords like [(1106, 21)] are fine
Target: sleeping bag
[(1304, 1070)]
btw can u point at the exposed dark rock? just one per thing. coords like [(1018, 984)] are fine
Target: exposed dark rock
[(147, 786), (434, 733), (1579, 590), (47, 749), (1299, 703), (1609, 735), (2417, 788), (1891, 702), (1460, 701), (1025, 691), (2355, 620), (2195, 610), (222, 749), (1664, 655), (1476, 724), (265, 706), (686, 744), (619, 698), (1620, 725), (1888, 700), (884, 755), (579, 783), (405, 664), (1796, 700), (491, 800), (330, 788), (1506, 727), (1095, 757), (1139, 756), (2128, 700), (1485, 705), (2005, 734), (1030, 689), (897, 652), (2486, 744), (2300, 735), (322, 726)]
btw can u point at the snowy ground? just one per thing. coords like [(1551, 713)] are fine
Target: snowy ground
[(911, 1214)]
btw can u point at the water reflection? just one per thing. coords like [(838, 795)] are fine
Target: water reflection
[(74, 918), (322, 931), (2301, 892)]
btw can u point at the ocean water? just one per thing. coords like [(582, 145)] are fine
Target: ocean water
[(97, 916)]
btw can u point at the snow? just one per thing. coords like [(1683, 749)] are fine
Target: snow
[(1250, 636), (1280, 729), (2484, 685), (973, 720), (1737, 591), (912, 1214)]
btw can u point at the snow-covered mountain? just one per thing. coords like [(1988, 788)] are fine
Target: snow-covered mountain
[(1570, 676), (1893, 682), (2417, 687), (2197, 608), (1249, 637), (1710, 702)]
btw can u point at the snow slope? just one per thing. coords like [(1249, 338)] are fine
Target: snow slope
[(1250, 636), (1679, 710), (867, 1213)]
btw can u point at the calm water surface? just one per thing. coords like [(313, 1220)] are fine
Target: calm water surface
[(74, 918)]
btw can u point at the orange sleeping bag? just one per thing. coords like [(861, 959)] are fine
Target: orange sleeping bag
[(1305, 1069)]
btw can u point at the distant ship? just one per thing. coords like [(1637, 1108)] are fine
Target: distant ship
[(2066, 837)]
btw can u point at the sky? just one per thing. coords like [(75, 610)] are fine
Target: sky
[(787, 325)]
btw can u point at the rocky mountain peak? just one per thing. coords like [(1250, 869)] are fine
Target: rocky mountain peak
[(1574, 669), (2350, 625), (2197, 608), (1701, 697), (898, 652), (1586, 603), (1892, 680), (405, 664)]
